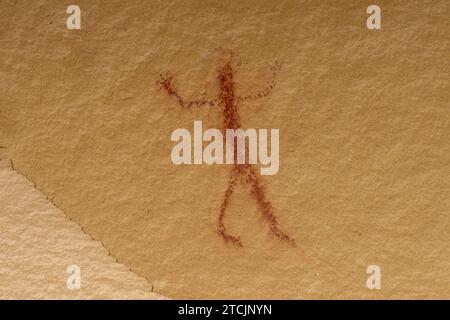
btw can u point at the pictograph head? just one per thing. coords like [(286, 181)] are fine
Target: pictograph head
[(227, 57)]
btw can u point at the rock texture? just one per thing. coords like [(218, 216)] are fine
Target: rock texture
[(38, 242), (364, 140)]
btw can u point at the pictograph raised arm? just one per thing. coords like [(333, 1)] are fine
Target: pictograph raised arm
[(267, 90), (166, 83)]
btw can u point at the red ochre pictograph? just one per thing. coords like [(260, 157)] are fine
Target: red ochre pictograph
[(244, 173)]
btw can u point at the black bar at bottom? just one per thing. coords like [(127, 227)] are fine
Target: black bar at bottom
[(230, 309)]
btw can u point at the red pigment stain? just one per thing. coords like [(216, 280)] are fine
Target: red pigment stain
[(244, 173)]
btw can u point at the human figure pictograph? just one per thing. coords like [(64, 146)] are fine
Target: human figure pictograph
[(245, 173)]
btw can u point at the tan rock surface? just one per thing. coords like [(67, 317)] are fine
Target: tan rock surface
[(364, 139), (38, 242)]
